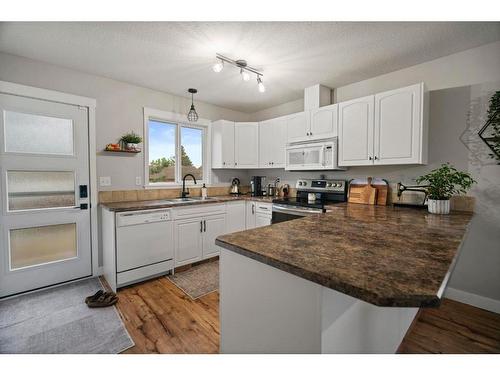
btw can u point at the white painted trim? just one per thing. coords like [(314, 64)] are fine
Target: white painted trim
[(473, 300), (51, 95), (90, 103)]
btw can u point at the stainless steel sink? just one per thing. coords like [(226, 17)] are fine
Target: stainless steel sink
[(187, 200)]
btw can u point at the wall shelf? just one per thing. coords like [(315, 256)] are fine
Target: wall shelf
[(124, 151)]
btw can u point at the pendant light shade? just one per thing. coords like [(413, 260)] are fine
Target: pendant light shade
[(192, 115)]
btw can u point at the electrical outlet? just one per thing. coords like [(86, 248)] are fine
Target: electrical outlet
[(105, 181), (138, 181)]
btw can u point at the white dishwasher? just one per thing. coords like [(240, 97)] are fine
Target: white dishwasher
[(144, 245)]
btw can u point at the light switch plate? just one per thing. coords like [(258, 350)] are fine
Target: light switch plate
[(138, 181), (105, 181)]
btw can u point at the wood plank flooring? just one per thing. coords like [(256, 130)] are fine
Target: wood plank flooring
[(162, 319)]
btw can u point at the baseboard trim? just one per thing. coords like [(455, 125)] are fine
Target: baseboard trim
[(473, 299)]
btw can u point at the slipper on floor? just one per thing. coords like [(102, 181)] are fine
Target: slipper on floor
[(105, 300), (94, 296)]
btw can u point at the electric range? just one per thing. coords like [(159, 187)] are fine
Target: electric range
[(312, 198)]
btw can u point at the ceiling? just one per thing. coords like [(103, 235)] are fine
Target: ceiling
[(173, 56)]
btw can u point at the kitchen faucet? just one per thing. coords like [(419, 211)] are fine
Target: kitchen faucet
[(184, 192)]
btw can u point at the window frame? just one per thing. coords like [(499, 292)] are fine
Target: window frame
[(179, 121)]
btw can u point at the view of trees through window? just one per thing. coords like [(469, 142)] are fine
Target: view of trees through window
[(163, 148)]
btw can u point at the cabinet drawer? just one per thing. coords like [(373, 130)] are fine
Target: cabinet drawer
[(264, 208), (199, 210)]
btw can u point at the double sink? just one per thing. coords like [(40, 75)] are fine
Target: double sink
[(188, 200)]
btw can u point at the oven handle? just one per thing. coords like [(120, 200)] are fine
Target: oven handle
[(295, 211)]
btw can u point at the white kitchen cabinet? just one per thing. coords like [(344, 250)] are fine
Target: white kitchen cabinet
[(323, 122), (384, 129), (250, 215), (262, 220), (297, 127), (246, 144), (400, 127), (356, 118), (213, 226), (272, 143), (235, 216), (188, 235), (223, 144)]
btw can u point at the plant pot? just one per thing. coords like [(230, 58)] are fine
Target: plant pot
[(438, 206), (132, 146)]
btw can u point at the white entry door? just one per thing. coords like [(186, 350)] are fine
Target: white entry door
[(44, 185)]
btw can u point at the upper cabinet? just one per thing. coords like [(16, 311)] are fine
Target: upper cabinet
[(384, 129), (297, 127), (400, 126), (323, 122), (356, 131), (223, 144), (272, 143), (313, 124), (246, 145)]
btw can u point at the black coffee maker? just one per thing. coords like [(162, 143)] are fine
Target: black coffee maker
[(256, 186)]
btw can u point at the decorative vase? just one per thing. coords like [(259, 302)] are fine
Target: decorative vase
[(438, 206), (132, 146)]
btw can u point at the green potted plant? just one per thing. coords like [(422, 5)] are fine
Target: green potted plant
[(131, 141), (443, 183)]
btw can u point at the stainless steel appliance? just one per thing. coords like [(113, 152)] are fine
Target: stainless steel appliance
[(325, 192), (257, 186), (235, 186), (312, 155)]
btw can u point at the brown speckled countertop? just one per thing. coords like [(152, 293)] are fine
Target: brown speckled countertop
[(167, 203), (380, 254)]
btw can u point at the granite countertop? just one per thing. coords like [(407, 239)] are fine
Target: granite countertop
[(167, 203), (384, 255)]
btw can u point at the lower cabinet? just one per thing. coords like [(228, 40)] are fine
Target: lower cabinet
[(195, 238), (250, 215), (235, 216), (261, 220), (259, 214)]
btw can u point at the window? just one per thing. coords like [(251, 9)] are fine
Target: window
[(174, 150)]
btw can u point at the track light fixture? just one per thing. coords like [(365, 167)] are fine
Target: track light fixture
[(245, 70)]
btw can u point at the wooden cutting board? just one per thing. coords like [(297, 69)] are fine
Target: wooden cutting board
[(381, 185), (363, 194)]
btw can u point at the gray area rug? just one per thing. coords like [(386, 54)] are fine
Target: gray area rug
[(57, 320), (198, 280)]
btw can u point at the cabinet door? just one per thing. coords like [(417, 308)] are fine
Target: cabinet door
[(213, 226), (278, 150), (222, 144), (246, 135), (324, 122), (188, 241), (398, 126), (356, 131), (266, 141), (262, 220), (250, 215), (235, 216), (297, 127)]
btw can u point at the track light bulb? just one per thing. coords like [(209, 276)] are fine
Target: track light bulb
[(245, 76), (218, 66), (262, 88)]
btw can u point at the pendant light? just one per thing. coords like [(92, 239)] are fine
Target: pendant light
[(192, 115)]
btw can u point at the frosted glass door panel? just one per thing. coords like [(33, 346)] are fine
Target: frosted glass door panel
[(35, 134), (28, 190), (39, 245)]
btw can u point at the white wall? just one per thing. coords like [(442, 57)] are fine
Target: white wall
[(119, 110), (458, 102)]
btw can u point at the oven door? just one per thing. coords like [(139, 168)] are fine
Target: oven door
[(285, 213)]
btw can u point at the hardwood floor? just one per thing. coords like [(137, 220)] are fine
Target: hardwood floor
[(162, 319), (454, 328)]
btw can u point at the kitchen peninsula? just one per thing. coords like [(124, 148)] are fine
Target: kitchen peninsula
[(347, 281)]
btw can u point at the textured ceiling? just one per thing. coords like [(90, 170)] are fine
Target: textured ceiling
[(173, 56)]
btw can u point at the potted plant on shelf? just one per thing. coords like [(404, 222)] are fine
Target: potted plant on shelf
[(443, 183), (131, 141)]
